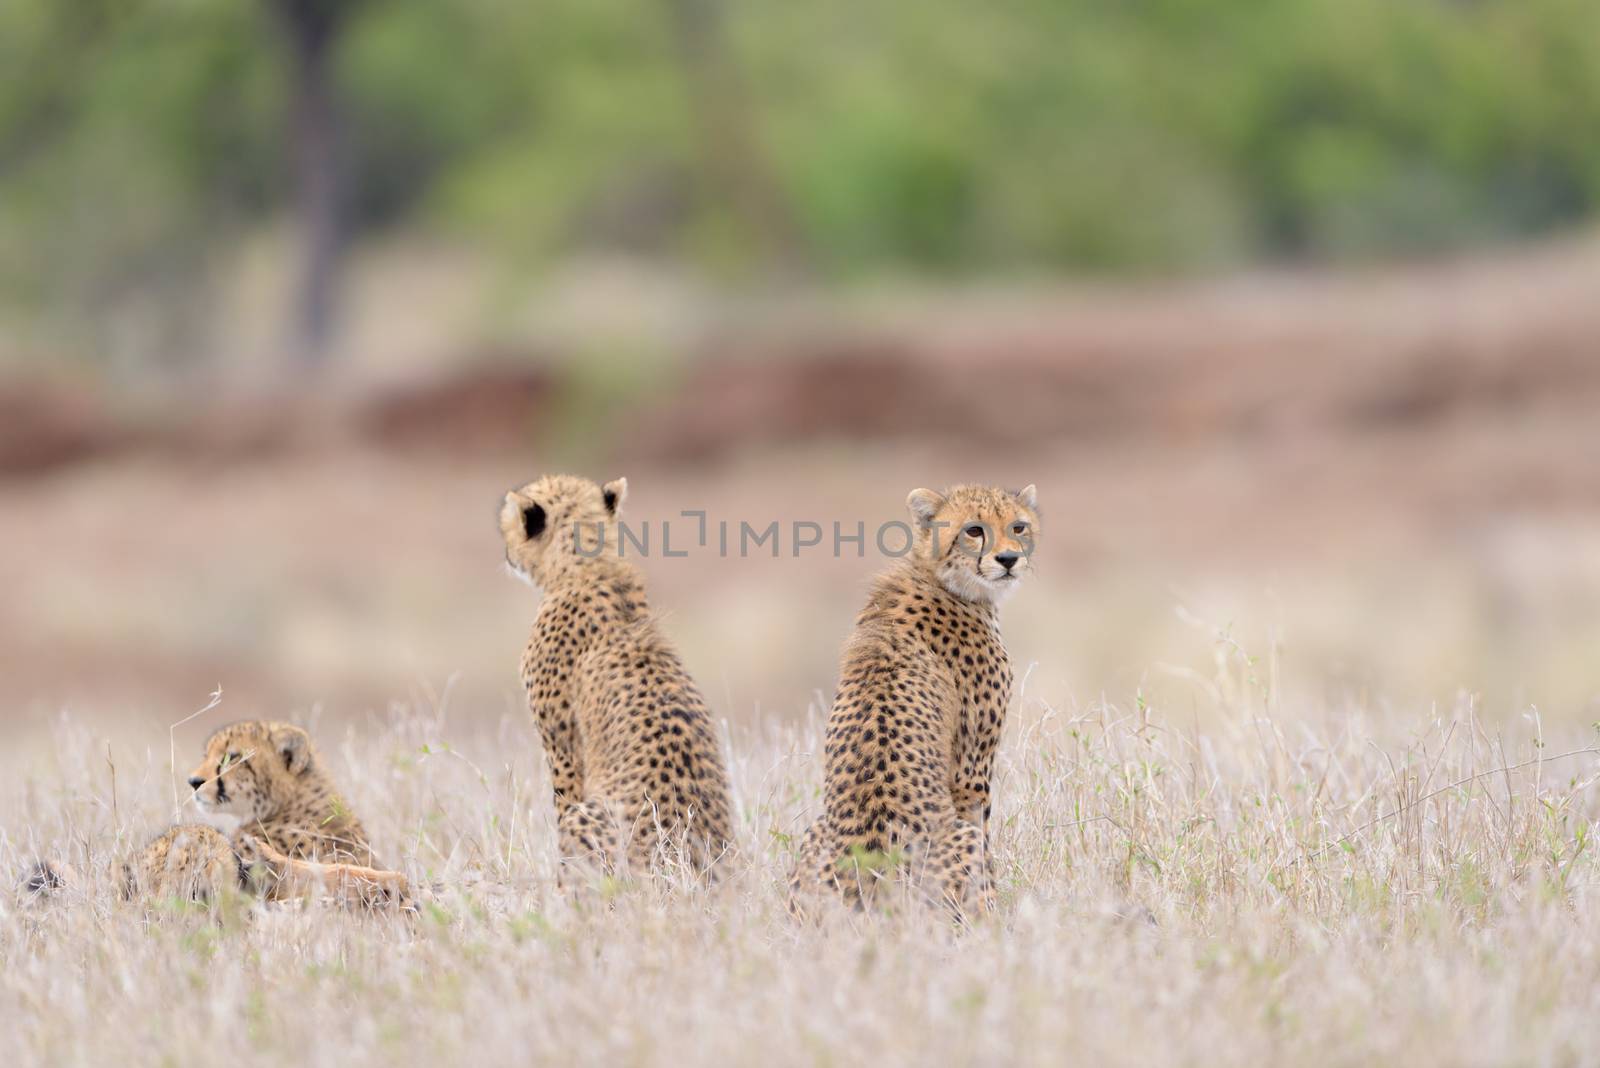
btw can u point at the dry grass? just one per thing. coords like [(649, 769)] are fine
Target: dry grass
[(1334, 879), (1289, 885)]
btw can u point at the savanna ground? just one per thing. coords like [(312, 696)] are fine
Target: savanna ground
[(1258, 892), (1302, 771)]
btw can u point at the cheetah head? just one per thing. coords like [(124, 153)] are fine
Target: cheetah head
[(554, 524), (978, 540), (251, 770)]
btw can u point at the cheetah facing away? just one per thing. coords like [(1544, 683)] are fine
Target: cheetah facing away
[(633, 757), (924, 685)]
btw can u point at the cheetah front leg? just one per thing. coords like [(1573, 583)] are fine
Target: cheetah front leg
[(587, 836), (815, 871), (354, 886), (973, 799), (278, 877), (958, 865)]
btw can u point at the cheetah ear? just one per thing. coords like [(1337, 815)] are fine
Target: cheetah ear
[(294, 746), (533, 521), (519, 511), (614, 493), (924, 505), (1029, 495)]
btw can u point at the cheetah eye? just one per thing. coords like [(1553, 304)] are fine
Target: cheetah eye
[(1019, 528), (975, 532)]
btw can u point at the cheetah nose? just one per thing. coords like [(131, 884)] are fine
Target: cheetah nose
[(1007, 560), (195, 782)]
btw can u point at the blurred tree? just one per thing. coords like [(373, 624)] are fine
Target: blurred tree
[(313, 30), (737, 168), (143, 141)]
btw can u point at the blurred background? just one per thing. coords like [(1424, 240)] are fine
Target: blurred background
[(1291, 309)]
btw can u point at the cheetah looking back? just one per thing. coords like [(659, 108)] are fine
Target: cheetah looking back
[(924, 686), (632, 752)]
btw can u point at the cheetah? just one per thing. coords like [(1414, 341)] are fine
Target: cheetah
[(924, 684), (196, 862), (634, 760), (268, 778), (275, 827)]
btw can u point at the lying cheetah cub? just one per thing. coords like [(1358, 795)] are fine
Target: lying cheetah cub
[(197, 862), (284, 831), (630, 745), (923, 689), (269, 780)]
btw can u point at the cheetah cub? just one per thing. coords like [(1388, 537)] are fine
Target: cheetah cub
[(274, 826), (924, 684), (197, 862), (632, 753), (268, 779)]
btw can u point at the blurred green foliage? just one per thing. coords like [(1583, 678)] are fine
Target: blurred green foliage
[(944, 136)]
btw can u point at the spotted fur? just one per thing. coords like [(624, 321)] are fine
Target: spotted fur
[(269, 778), (294, 835), (634, 759), (275, 827), (199, 863), (924, 686)]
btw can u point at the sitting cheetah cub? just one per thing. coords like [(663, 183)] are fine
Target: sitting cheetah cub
[(630, 746), (923, 689)]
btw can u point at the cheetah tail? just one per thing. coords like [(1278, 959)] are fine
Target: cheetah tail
[(48, 878)]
